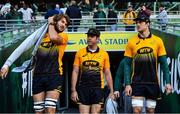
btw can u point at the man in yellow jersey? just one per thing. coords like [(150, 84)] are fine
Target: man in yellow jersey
[(90, 65), (47, 78), (144, 51), (128, 17)]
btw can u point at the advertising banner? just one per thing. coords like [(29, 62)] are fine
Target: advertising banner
[(109, 41)]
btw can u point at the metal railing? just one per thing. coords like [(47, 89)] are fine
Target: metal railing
[(13, 31), (15, 24), (169, 27), (16, 31)]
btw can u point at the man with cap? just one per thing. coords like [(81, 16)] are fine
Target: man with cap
[(143, 52), (90, 65)]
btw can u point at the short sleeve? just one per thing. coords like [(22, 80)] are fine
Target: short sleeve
[(128, 50), (161, 48), (77, 59), (106, 61)]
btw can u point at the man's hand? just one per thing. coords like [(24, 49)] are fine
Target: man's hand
[(50, 20), (111, 95), (128, 90), (74, 96), (4, 71), (168, 89), (116, 94)]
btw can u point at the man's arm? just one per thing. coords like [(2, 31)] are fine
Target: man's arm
[(127, 75), (166, 73), (164, 66), (127, 70), (109, 80), (74, 78), (118, 82), (74, 95)]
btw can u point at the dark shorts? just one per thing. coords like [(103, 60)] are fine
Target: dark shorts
[(149, 91), (47, 83), (89, 96)]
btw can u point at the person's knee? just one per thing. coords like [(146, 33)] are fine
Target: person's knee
[(84, 108), (95, 108), (137, 110), (50, 110), (150, 110), (151, 105), (137, 105)]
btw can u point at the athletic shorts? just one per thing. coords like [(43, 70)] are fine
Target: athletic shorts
[(89, 96), (47, 83), (149, 91)]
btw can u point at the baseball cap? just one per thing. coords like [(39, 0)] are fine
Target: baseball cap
[(93, 31), (143, 18)]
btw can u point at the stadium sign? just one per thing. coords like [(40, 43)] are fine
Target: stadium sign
[(109, 41)]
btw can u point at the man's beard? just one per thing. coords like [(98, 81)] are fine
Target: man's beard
[(57, 30)]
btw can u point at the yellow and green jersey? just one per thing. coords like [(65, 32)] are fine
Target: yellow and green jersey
[(145, 52)]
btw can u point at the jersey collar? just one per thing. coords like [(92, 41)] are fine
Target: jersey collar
[(149, 36), (97, 50)]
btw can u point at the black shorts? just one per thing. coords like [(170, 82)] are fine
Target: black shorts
[(89, 96), (149, 91), (47, 83)]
